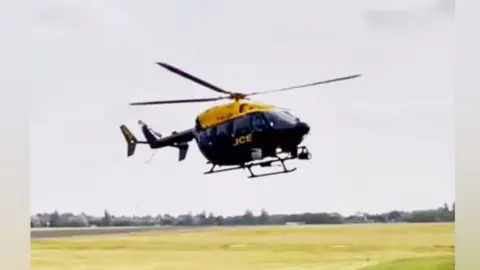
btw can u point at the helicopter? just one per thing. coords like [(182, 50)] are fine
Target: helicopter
[(238, 135)]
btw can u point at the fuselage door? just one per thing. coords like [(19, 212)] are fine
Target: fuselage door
[(224, 134), (242, 126)]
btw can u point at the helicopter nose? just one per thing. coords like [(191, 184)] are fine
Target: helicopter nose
[(302, 128)]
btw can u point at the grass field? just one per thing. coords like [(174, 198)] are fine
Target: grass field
[(366, 247)]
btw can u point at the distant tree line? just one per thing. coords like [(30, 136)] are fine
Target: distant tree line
[(56, 219)]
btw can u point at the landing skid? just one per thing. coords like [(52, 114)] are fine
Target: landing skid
[(303, 155)]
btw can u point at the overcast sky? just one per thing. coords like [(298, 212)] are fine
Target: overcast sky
[(380, 142)]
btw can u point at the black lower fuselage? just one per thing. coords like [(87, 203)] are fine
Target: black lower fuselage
[(251, 137)]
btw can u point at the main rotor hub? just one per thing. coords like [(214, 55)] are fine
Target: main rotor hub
[(238, 96)]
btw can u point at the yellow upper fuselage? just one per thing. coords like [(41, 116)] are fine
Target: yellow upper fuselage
[(227, 112)]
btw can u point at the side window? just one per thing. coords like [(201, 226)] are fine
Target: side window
[(259, 122), (242, 126), (211, 132), (225, 129), (203, 136)]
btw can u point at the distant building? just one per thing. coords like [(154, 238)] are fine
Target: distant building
[(294, 223)]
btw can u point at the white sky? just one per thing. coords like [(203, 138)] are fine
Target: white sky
[(381, 142)]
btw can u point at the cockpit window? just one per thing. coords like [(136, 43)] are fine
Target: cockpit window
[(287, 116), (281, 119), (259, 122)]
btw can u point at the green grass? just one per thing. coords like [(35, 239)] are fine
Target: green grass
[(426, 263), (365, 247)]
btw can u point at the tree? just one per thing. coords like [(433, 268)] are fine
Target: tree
[(167, 220), (35, 221), (210, 219), (184, 220), (264, 217), (201, 219), (219, 220), (394, 216), (107, 219), (446, 208), (54, 219), (78, 221), (248, 218)]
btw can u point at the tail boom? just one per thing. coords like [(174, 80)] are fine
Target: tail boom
[(155, 140)]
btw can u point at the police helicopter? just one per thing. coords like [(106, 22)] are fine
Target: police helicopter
[(238, 135)]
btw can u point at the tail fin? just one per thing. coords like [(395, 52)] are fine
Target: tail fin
[(130, 138), (182, 151), (150, 135)]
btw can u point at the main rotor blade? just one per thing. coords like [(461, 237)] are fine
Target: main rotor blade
[(305, 85), (192, 78), (176, 101)]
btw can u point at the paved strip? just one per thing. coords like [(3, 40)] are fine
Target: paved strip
[(39, 233), (70, 232)]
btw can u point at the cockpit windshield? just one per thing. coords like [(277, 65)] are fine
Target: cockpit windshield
[(286, 116), (281, 118)]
